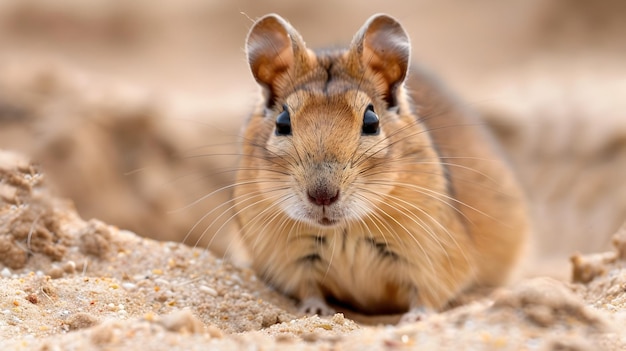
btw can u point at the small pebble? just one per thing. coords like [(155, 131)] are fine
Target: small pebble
[(55, 272), (64, 313), (208, 290), (214, 331), (5, 273), (129, 286), (338, 318), (69, 267), (81, 320), (182, 321), (161, 281)]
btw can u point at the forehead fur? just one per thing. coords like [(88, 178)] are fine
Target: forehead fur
[(333, 75)]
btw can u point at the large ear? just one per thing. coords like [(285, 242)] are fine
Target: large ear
[(276, 53), (382, 48)]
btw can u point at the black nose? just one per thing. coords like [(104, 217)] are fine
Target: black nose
[(323, 196)]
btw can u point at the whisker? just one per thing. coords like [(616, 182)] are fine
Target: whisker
[(417, 122), (431, 218), (264, 198), (386, 229), (404, 228), (232, 201), (378, 169), (226, 187), (433, 194)]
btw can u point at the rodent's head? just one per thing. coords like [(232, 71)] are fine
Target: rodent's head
[(322, 142)]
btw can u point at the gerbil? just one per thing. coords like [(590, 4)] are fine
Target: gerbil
[(367, 185)]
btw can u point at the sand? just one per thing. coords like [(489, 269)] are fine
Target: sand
[(67, 283)]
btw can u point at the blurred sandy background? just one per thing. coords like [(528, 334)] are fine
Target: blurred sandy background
[(133, 107)]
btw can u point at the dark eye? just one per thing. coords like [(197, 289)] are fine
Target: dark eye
[(283, 122), (370, 121)]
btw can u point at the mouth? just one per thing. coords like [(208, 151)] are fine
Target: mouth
[(326, 222)]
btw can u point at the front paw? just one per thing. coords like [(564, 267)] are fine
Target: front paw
[(416, 314), (315, 305)]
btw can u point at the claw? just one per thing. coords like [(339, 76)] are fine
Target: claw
[(415, 315), (315, 306)]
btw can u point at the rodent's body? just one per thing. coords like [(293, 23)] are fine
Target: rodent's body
[(356, 188)]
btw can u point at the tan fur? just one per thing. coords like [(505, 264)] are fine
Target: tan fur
[(402, 234)]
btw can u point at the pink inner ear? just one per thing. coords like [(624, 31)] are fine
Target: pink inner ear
[(386, 49), (269, 49), (272, 45), (267, 68), (385, 52)]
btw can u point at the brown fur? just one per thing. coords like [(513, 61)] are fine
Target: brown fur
[(424, 209)]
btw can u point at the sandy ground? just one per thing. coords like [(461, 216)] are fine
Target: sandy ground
[(74, 284), (130, 113)]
